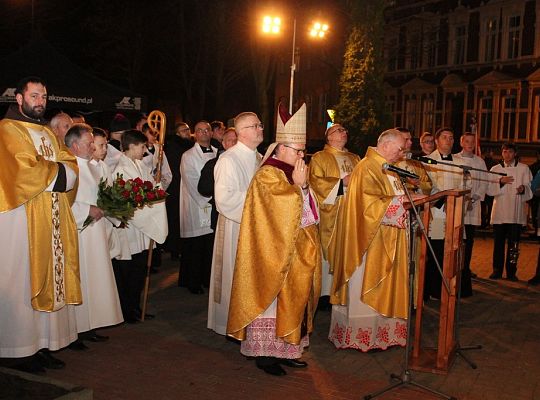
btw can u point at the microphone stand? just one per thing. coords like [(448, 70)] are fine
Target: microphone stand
[(405, 377)]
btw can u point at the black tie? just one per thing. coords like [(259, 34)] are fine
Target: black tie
[(206, 150), (447, 158)]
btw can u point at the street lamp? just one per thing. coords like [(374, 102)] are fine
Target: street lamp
[(272, 25)]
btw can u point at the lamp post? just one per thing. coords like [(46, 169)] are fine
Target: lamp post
[(272, 25)]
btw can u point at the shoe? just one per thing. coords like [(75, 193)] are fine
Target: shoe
[(293, 363), (131, 320), (196, 290), (96, 337), (32, 366), (273, 369), (46, 360), (512, 278), (78, 345), (495, 276), (473, 275)]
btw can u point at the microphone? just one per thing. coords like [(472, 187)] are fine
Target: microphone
[(399, 171), (425, 160)]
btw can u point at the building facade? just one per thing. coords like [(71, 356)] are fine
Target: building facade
[(472, 65)]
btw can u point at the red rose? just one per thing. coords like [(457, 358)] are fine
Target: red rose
[(138, 181), (125, 194), (150, 196), (121, 182), (160, 193), (138, 199), (135, 189), (148, 185)]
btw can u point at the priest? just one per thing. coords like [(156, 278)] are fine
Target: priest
[(232, 175), (38, 237), (277, 274), (369, 290), (101, 306), (329, 174)]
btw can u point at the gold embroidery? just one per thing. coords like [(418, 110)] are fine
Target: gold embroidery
[(46, 149), (58, 250)]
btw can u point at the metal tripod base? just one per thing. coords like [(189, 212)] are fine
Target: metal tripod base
[(459, 352), (405, 379)]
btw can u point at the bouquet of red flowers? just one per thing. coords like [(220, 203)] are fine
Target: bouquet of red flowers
[(123, 197)]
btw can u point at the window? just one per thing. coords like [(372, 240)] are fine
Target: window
[(427, 114), (486, 112), (490, 47), (392, 54), (410, 115), (509, 114), (415, 51), (460, 43), (431, 49), (514, 30)]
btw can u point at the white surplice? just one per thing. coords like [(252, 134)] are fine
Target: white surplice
[(101, 306), (232, 175), (149, 222), (509, 207), (195, 209), (443, 177), (478, 184)]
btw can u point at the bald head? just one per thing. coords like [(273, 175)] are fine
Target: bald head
[(60, 124), (391, 145)]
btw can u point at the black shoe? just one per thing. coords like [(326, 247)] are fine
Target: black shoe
[(78, 345), (534, 280), (291, 362), (46, 360), (96, 337), (495, 276), (473, 275), (273, 369), (31, 365), (512, 278), (196, 290), (131, 320)]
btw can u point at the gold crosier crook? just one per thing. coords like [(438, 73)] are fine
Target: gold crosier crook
[(157, 122)]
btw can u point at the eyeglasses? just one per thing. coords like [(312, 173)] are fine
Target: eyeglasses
[(428, 142), (200, 130), (260, 125), (298, 151)]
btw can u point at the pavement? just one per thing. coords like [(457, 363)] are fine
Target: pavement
[(175, 356)]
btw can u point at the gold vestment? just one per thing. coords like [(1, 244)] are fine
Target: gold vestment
[(24, 176), (275, 259), (360, 233), (324, 174)]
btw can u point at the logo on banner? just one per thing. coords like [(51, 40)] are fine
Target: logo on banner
[(129, 103), (8, 96)]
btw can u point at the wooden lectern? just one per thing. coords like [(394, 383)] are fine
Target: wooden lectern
[(439, 359)]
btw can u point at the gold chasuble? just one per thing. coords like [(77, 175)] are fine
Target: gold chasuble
[(360, 233), (52, 233), (324, 174), (275, 259)]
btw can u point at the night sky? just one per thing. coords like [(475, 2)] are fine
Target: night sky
[(192, 58)]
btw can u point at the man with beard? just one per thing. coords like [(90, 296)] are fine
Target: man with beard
[(38, 235)]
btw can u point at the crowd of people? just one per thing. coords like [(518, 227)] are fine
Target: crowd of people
[(270, 238)]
